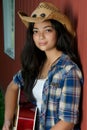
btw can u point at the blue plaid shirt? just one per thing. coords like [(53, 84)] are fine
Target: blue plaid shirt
[(61, 93)]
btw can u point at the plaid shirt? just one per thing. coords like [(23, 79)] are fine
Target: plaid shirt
[(61, 93)]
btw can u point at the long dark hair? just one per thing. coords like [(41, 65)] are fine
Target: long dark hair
[(32, 58)]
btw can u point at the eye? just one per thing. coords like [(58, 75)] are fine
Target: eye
[(48, 30), (35, 31)]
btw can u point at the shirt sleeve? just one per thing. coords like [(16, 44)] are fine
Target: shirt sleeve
[(70, 98), (18, 79)]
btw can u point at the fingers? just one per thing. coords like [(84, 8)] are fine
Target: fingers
[(6, 125)]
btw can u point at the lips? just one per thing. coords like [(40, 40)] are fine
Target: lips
[(42, 43)]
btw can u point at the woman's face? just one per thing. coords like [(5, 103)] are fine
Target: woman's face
[(44, 36)]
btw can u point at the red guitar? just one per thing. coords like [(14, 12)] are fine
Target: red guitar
[(25, 117)]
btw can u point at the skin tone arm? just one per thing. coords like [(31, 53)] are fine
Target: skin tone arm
[(10, 104), (62, 125)]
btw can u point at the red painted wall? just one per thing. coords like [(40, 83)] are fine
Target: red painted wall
[(82, 40), (76, 10), (8, 67)]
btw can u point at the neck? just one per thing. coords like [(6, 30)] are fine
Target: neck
[(52, 56)]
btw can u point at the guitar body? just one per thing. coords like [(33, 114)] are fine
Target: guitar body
[(25, 116)]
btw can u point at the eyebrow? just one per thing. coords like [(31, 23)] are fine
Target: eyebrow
[(44, 27)]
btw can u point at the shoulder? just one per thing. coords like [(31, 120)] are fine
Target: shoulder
[(18, 79), (66, 67)]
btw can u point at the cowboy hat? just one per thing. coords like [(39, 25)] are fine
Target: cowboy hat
[(46, 11)]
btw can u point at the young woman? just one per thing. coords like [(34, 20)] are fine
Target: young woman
[(50, 76)]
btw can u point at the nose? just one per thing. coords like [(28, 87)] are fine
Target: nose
[(41, 35)]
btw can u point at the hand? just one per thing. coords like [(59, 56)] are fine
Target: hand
[(6, 125), (62, 125)]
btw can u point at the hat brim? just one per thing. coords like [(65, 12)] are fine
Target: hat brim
[(63, 19)]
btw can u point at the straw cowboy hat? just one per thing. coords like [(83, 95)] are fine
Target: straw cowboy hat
[(46, 11)]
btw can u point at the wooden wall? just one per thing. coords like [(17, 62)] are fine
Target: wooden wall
[(76, 10)]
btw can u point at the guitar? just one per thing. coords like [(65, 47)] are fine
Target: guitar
[(25, 117)]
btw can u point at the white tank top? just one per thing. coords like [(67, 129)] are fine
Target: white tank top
[(37, 92)]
